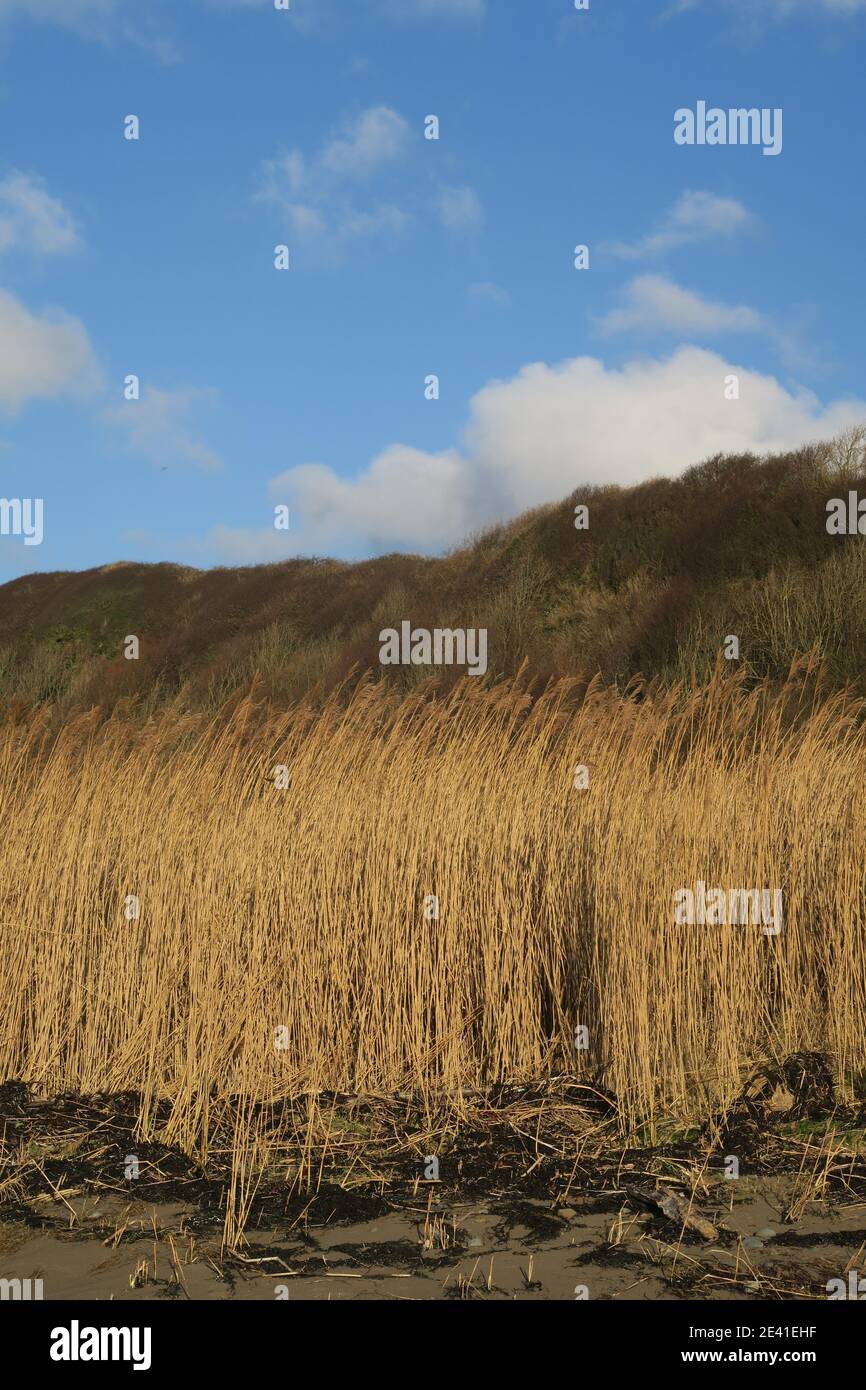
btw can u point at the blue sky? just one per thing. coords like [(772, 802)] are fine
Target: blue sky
[(408, 257)]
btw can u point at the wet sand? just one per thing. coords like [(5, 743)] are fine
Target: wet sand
[(602, 1249), (538, 1199)]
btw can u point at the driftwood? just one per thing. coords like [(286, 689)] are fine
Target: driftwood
[(675, 1207)]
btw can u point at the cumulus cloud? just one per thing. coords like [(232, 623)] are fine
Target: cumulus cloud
[(694, 217), (654, 304), (459, 209), (340, 193), (376, 138), (158, 427), (534, 439), (356, 153), (42, 355), (318, 194), (32, 219), (394, 504)]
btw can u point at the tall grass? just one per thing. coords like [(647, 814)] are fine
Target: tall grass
[(304, 908)]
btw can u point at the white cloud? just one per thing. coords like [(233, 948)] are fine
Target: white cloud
[(341, 192), (104, 21), (376, 138), (32, 219), (402, 497), (695, 217), (42, 356), (459, 209), (534, 439), (157, 426), (318, 195), (653, 304)]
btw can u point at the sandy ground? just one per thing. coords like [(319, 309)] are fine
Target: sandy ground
[(602, 1249), (539, 1199)]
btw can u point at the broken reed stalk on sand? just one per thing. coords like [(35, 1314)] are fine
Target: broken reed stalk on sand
[(304, 908)]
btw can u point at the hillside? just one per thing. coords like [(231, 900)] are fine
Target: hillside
[(664, 572)]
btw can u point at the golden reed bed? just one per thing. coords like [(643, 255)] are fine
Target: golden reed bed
[(308, 909)]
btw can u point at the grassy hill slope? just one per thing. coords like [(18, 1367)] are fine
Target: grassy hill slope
[(665, 571)]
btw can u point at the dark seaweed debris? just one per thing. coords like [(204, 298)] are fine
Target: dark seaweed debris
[(548, 1144)]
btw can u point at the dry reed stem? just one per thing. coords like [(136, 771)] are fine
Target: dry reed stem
[(303, 909)]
